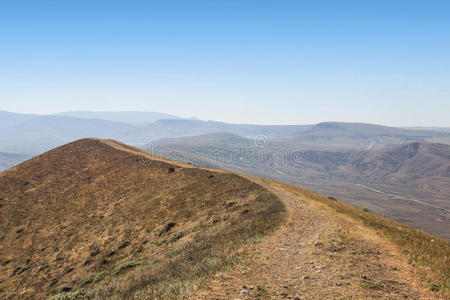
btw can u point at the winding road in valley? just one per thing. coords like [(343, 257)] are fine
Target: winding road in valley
[(400, 197)]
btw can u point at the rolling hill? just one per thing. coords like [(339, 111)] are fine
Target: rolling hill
[(180, 128), (41, 133), (405, 162), (362, 136), (34, 134), (407, 182), (97, 219), (9, 119), (132, 117), (78, 216)]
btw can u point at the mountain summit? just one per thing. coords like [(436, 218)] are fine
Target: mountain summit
[(97, 219)]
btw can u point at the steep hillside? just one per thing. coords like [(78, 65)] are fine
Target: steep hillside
[(334, 135), (97, 219), (406, 162), (8, 160), (408, 183), (420, 171)]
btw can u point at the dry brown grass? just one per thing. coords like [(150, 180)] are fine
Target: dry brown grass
[(87, 220), (429, 253)]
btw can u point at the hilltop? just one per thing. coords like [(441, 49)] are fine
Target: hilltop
[(99, 219)]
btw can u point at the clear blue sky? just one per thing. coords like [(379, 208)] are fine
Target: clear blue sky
[(286, 62)]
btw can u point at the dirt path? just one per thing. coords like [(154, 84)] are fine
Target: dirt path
[(317, 255)]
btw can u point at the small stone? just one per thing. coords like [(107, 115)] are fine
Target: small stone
[(245, 291)]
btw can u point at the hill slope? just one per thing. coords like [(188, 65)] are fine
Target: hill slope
[(408, 182), (331, 250), (81, 217), (98, 219), (406, 162), (362, 136)]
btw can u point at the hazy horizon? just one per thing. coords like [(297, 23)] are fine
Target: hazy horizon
[(239, 62), (206, 120)]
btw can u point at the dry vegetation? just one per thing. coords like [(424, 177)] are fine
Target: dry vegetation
[(87, 220), (429, 254), (96, 219), (321, 254)]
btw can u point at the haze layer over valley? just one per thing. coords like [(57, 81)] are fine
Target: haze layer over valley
[(399, 173)]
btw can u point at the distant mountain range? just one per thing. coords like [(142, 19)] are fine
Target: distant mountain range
[(408, 182), (401, 173), (132, 117), (8, 160), (334, 135), (34, 134), (99, 219)]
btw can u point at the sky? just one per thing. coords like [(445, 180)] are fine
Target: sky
[(262, 62)]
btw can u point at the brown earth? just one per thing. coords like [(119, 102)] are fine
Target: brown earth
[(319, 254), (96, 219)]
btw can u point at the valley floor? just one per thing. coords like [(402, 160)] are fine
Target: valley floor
[(318, 254)]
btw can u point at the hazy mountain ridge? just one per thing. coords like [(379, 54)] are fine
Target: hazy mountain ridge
[(417, 170), (196, 127), (344, 136), (98, 219), (132, 117), (331, 158), (38, 133), (8, 160), (415, 159), (9, 119), (41, 133)]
